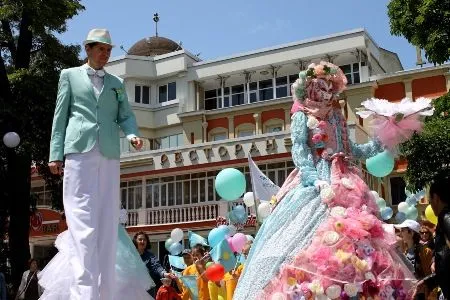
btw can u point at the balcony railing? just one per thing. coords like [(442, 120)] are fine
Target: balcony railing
[(177, 214)]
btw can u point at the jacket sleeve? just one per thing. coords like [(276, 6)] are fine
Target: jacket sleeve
[(155, 266), (126, 118), (446, 226), (301, 153), (22, 285), (60, 118)]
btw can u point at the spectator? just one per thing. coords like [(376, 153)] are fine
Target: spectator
[(166, 291), (440, 203), (29, 288), (3, 288), (157, 272)]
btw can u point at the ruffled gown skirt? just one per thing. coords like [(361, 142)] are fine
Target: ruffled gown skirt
[(132, 277)]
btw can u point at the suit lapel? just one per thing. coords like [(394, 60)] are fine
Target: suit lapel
[(87, 81)]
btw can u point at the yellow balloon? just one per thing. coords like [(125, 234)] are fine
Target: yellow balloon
[(429, 214)]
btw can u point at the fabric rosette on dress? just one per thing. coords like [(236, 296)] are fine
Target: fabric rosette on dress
[(132, 277)]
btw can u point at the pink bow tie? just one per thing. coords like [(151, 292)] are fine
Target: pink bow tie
[(98, 73)]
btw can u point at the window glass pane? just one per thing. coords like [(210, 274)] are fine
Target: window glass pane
[(145, 95), (253, 97), (179, 198), (171, 193), (163, 194), (137, 93), (210, 94), (165, 142), (346, 69), (237, 99), (281, 80), (173, 139), (266, 94), (210, 189), (202, 190), (180, 141), (219, 137), (356, 78), (186, 191), (349, 78), (293, 78), (194, 191), (237, 89), (156, 195), (211, 104), (138, 197), (162, 94), (226, 101), (124, 198), (356, 67), (172, 90), (130, 198), (281, 177), (244, 133), (275, 128), (148, 196), (282, 92), (226, 91), (265, 83), (253, 86)]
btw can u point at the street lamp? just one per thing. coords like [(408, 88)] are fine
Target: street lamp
[(11, 139)]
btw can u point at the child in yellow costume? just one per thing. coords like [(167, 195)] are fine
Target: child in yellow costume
[(217, 291), (197, 269)]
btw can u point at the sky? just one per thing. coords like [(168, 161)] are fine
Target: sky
[(221, 28)]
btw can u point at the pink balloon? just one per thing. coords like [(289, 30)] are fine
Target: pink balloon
[(238, 241), (230, 243)]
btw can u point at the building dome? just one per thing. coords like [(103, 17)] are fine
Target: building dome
[(152, 46)]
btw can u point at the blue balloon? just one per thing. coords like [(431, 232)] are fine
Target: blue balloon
[(412, 213), (411, 201), (175, 248), (224, 228), (386, 213), (239, 209), (241, 217), (216, 236), (400, 217), (230, 184), (381, 164), (233, 218)]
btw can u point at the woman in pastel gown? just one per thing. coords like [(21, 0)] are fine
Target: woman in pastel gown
[(322, 237)]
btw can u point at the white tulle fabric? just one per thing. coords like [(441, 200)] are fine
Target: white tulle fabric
[(132, 277)]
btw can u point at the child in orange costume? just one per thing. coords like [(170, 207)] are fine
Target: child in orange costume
[(166, 291), (231, 278)]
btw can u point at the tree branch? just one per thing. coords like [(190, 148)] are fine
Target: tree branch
[(6, 26), (25, 41), (5, 88)]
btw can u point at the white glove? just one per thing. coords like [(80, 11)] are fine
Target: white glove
[(320, 184)]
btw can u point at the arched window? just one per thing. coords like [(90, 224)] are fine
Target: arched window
[(274, 125), (245, 129), (218, 134)]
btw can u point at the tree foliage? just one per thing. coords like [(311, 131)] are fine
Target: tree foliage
[(30, 60), (428, 152), (424, 23)]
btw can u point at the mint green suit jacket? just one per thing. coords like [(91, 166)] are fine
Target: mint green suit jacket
[(81, 120)]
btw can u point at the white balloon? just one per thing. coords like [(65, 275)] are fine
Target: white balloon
[(381, 203), (249, 199), (232, 230), (374, 195), (264, 210), (11, 139), (176, 235), (403, 207)]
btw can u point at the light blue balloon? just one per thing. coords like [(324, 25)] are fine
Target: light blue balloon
[(230, 184), (381, 203), (232, 217), (386, 213), (381, 164), (412, 213), (411, 201), (169, 242), (241, 217), (400, 217), (224, 228), (175, 248), (239, 209), (216, 236)]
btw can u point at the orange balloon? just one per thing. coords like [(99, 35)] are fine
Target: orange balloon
[(215, 272)]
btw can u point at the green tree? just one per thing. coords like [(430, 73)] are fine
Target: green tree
[(428, 152), (424, 23), (30, 60)]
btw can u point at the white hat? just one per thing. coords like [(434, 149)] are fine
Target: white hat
[(411, 224), (98, 36)]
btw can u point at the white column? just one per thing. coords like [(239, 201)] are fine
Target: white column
[(231, 133), (258, 129)]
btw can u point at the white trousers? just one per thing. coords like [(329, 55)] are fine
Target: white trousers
[(91, 204)]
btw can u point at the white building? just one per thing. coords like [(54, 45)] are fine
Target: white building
[(198, 117)]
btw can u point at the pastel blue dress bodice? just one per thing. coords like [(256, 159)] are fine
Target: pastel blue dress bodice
[(292, 224)]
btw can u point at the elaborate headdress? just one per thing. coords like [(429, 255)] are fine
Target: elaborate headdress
[(303, 89)]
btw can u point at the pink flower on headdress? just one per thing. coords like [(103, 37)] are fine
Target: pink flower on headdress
[(319, 71)]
